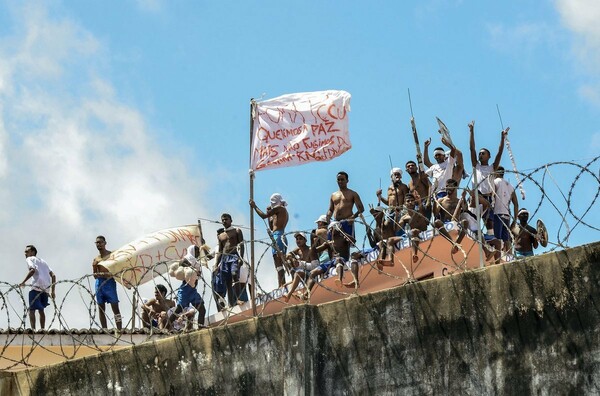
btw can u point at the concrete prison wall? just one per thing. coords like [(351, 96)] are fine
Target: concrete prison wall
[(532, 326)]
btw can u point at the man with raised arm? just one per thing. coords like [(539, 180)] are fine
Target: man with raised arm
[(278, 218), (106, 287), (43, 280), (341, 208), (484, 172), (446, 167), (229, 257)]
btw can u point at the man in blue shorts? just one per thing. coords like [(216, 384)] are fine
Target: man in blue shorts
[(106, 287), (228, 259), (278, 218), (341, 207), (187, 294), (43, 279)]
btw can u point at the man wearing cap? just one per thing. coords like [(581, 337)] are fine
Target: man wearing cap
[(525, 236), (341, 207), (278, 218)]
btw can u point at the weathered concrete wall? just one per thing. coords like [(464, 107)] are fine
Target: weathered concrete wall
[(529, 327)]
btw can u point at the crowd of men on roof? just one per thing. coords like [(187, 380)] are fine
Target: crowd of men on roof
[(429, 198)]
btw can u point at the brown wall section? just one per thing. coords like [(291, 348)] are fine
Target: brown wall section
[(532, 326)]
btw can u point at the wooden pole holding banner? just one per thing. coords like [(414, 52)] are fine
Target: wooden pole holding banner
[(252, 275)]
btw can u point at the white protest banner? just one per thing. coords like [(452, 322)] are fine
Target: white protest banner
[(299, 128)]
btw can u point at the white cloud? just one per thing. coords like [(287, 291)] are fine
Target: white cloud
[(75, 161), (153, 6), (581, 17)]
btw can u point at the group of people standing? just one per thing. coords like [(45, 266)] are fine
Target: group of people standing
[(430, 198)]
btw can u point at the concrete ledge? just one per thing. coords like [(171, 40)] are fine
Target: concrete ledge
[(532, 326)]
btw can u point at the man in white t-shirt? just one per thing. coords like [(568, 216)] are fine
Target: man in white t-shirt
[(43, 280), (447, 167), (484, 172), (504, 195)]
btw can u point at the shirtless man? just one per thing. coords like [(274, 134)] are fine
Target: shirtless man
[(153, 309), (417, 219), (444, 210), (396, 191), (228, 259), (278, 219), (341, 206), (385, 229), (304, 259), (525, 236), (419, 185), (106, 287)]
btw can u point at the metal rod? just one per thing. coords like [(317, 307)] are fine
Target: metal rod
[(252, 274), (511, 156)]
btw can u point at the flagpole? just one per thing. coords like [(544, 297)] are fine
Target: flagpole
[(252, 275)]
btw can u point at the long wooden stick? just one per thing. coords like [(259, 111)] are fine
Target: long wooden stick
[(511, 156), (415, 136)]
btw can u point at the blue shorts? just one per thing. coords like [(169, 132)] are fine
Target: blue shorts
[(346, 226), (281, 242), (230, 264), (187, 295), (519, 254), (501, 224), (218, 284), (106, 291), (38, 300), (326, 266)]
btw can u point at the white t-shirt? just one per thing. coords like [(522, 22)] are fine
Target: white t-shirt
[(484, 178), (41, 277), (441, 173), (502, 197)]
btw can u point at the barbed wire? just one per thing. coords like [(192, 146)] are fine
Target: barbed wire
[(81, 291)]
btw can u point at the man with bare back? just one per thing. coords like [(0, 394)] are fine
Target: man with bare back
[(229, 257), (278, 218), (341, 208)]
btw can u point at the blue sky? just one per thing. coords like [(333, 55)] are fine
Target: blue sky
[(121, 118)]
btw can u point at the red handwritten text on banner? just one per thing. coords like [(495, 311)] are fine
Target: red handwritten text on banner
[(298, 128)]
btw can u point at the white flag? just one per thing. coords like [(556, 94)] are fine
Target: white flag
[(299, 128)]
